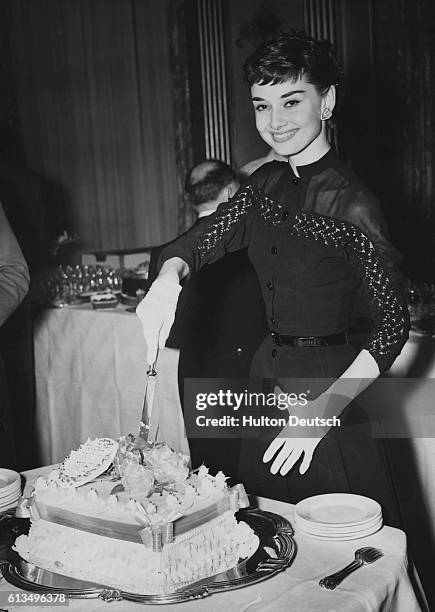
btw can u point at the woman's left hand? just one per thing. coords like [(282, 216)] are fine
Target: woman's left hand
[(290, 451), (299, 441)]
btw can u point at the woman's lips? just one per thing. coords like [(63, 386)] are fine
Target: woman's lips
[(284, 136)]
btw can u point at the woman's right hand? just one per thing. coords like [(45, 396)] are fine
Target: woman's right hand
[(157, 313)]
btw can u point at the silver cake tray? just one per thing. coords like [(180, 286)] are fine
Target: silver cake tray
[(275, 553)]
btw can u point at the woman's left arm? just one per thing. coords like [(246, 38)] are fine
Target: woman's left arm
[(376, 262)]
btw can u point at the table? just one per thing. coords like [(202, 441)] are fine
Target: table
[(383, 586), (90, 376), (90, 381)]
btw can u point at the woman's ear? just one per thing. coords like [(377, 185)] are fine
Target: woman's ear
[(328, 103)]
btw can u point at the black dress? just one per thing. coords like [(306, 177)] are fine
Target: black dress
[(219, 324), (318, 244)]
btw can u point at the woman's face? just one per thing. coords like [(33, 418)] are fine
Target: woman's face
[(287, 117)]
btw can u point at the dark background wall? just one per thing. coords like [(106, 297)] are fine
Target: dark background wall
[(403, 113), (248, 21)]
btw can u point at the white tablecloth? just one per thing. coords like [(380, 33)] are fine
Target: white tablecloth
[(90, 378), (383, 586)]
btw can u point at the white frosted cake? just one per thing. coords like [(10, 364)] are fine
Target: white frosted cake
[(156, 530)]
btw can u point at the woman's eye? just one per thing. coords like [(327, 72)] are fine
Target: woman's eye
[(291, 103), (260, 107)]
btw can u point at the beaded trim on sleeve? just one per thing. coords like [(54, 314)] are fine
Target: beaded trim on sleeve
[(247, 198), (229, 217), (389, 321)]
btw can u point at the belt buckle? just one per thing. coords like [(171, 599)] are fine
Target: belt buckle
[(275, 338), (307, 341)]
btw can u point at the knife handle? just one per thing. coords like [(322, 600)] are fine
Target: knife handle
[(151, 370)]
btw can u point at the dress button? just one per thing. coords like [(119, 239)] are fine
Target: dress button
[(285, 215), (274, 352), (239, 350), (273, 320), (274, 250), (269, 285), (295, 181)]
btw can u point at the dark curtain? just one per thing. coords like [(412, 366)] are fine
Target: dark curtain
[(404, 115), (95, 98)]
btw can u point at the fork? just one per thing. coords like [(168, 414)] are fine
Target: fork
[(362, 557)]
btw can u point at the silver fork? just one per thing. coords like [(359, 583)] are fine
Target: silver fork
[(362, 557)]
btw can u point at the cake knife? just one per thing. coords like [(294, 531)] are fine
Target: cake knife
[(147, 408)]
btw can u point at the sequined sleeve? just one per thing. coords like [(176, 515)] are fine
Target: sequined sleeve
[(379, 264), (361, 232), (226, 230)]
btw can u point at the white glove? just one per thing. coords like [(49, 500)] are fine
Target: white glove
[(157, 313)]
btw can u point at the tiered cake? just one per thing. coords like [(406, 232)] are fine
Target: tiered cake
[(157, 530)]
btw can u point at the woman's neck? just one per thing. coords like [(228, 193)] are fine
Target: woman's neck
[(315, 151)]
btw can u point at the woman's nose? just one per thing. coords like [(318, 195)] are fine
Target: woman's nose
[(277, 120)]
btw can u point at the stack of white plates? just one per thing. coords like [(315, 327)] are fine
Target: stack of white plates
[(338, 516), (10, 489)]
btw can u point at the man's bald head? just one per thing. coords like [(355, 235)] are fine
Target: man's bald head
[(207, 181), (200, 172)]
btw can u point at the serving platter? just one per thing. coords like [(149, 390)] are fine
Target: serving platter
[(275, 553)]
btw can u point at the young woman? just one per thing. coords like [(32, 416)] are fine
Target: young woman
[(317, 240)]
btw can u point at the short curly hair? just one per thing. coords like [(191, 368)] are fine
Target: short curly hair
[(293, 55)]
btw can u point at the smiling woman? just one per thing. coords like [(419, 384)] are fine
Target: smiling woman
[(290, 117), (293, 91), (318, 243)]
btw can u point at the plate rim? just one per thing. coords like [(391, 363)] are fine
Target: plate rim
[(336, 527), (343, 538), (17, 477), (325, 496)]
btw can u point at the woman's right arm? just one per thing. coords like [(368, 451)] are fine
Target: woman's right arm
[(174, 267), (225, 230), (156, 311)]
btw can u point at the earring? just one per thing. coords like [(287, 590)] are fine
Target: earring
[(325, 114)]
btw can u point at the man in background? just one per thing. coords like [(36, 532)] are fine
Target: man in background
[(253, 165), (220, 319), (14, 284)]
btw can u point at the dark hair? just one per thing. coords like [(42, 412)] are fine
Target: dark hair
[(289, 56), (216, 176)]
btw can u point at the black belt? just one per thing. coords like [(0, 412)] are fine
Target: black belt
[(299, 341)]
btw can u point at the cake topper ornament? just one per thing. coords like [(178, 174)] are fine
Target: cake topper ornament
[(85, 463)]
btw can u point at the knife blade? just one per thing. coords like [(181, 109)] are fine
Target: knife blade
[(144, 427)]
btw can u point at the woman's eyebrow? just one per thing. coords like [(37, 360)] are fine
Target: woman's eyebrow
[(291, 93), (283, 96)]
